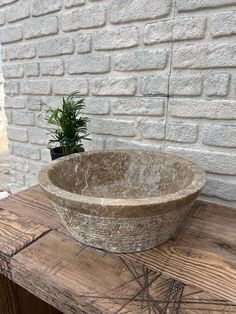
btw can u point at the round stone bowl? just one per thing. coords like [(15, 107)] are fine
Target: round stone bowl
[(122, 200)]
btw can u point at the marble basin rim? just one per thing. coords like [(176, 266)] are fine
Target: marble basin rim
[(122, 200), (117, 205)]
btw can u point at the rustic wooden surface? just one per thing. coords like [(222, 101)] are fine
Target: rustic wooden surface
[(16, 232), (16, 300), (77, 279)]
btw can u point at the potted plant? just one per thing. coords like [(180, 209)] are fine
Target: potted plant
[(70, 128)]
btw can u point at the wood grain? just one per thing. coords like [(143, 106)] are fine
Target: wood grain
[(202, 254), (34, 204), (77, 279), (16, 300), (16, 232)]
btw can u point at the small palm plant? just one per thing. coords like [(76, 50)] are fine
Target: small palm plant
[(70, 128)]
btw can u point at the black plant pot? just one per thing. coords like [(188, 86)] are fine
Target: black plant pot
[(57, 153)]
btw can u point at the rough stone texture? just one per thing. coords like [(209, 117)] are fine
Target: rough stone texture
[(152, 129), (218, 84), (181, 132), (20, 52), (205, 56), (124, 37), (114, 86), (55, 47), (41, 26), (128, 11), (41, 7), (138, 106), (90, 17), (141, 60), (61, 86), (155, 85), (83, 43), (112, 126), (88, 64), (220, 135), (154, 74), (180, 29), (185, 84)]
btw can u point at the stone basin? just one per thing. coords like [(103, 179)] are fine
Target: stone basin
[(122, 200)]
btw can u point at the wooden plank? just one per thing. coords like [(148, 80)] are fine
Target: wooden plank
[(16, 232), (8, 297), (16, 300), (34, 204), (203, 253), (77, 279)]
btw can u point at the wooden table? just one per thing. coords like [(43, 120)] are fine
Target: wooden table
[(194, 272)]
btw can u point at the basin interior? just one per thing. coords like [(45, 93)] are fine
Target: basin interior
[(121, 174)]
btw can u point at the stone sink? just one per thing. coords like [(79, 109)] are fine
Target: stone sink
[(122, 200)]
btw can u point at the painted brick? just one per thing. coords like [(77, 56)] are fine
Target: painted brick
[(14, 102), (220, 135), (190, 5), (122, 11), (115, 143), (13, 71), (27, 151), (152, 129), (2, 18), (65, 86), (141, 60), (83, 43), (56, 47), (38, 136), (36, 87), (181, 29), (112, 127), (41, 7), (52, 67), (41, 26), (223, 24), (218, 84), (25, 51), (215, 162), (10, 34), (83, 18), (3, 53), (123, 37), (31, 69), (222, 188), (73, 3), (34, 102), (19, 164), (96, 106), (155, 85), (138, 106), (23, 118), (17, 134), (88, 64), (181, 132), (185, 84), (209, 109), (5, 2), (205, 56), (11, 88), (17, 12), (114, 86)]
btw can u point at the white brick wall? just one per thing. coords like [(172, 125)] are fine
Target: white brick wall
[(159, 76)]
